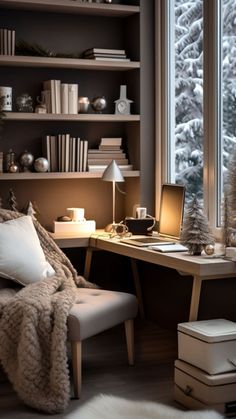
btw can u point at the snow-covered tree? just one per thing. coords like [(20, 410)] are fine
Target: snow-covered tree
[(12, 201), (195, 234)]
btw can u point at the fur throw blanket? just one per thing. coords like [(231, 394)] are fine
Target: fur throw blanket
[(107, 407), (33, 330)]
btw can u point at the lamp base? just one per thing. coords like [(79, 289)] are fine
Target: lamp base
[(110, 228)]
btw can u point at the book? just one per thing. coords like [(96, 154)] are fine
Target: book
[(111, 141), (81, 152), (67, 153), (53, 153), (91, 56), (107, 161), (73, 98), (102, 167), (106, 150), (85, 156), (77, 155), (50, 85), (72, 154), (103, 155), (113, 148), (111, 59), (1, 161), (64, 98), (57, 87), (103, 51), (13, 42)]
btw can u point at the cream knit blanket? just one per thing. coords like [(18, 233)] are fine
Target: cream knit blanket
[(33, 330)]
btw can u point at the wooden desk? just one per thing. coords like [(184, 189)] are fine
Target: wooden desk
[(202, 267)]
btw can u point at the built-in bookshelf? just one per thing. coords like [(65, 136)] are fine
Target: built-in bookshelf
[(39, 21)]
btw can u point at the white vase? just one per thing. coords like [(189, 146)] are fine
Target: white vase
[(5, 98)]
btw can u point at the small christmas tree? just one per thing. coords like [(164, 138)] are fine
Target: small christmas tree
[(31, 211), (195, 234), (12, 201), (229, 224)]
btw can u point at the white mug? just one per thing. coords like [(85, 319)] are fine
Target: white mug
[(141, 212), (76, 214)]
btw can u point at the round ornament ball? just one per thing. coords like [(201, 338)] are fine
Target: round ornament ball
[(13, 168), (209, 249), (41, 164)]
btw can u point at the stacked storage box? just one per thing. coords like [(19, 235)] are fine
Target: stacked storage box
[(205, 372)]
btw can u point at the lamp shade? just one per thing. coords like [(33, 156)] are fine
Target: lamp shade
[(113, 173)]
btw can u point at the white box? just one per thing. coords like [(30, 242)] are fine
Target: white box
[(87, 226), (196, 389), (208, 344)]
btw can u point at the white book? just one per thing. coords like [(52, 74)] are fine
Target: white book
[(59, 144), (67, 153), (77, 155), (81, 155), (85, 156), (72, 154), (64, 98), (102, 167), (73, 98), (57, 84)]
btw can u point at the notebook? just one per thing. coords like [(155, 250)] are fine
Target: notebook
[(170, 218)]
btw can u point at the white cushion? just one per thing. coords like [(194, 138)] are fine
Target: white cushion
[(21, 255)]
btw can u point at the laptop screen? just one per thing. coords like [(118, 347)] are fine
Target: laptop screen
[(171, 210)]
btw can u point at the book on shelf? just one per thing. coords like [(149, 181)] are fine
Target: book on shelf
[(7, 41), (65, 153), (110, 150), (102, 167), (111, 141), (107, 161), (73, 98), (1, 161), (92, 56), (62, 97), (103, 51), (111, 59), (104, 155)]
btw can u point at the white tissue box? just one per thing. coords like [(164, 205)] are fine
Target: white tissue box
[(86, 226)]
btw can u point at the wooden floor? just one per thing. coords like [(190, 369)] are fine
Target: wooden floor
[(105, 370)]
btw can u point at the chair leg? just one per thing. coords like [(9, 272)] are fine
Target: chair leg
[(129, 334), (76, 350)]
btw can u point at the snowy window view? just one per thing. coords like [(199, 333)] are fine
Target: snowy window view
[(228, 89), (188, 127)]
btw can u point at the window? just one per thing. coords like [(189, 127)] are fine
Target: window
[(198, 98)]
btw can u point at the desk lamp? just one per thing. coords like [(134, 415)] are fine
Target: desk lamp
[(112, 174)]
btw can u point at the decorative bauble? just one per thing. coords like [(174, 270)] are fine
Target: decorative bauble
[(41, 164), (26, 160), (24, 103), (209, 249), (99, 104), (13, 168)]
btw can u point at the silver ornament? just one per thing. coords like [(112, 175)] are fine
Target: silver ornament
[(13, 168), (99, 104), (26, 160), (209, 249), (41, 164)]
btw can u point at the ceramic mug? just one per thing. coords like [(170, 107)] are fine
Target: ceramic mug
[(5, 98), (76, 214)]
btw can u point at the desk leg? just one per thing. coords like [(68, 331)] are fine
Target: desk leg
[(87, 264), (137, 287), (196, 291)]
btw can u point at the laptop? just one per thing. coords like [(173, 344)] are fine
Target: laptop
[(170, 219)]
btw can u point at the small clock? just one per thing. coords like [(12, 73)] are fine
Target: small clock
[(122, 105)]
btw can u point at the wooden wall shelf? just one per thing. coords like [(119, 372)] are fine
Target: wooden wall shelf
[(61, 175), (88, 117)]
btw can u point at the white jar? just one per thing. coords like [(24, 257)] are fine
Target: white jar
[(5, 98)]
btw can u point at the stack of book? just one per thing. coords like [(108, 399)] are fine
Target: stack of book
[(60, 98), (65, 153), (104, 54), (109, 149), (7, 42)]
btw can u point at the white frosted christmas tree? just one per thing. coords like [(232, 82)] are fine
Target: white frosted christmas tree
[(195, 234)]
